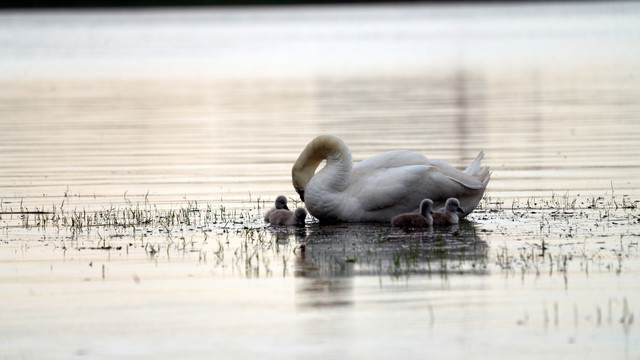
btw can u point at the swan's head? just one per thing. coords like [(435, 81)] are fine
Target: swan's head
[(300, 214), (426, 207), (281, 202), (299, 191), (300, 182), (323, 147), (452, 206)]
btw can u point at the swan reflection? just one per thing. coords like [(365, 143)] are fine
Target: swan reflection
[(330, 258)]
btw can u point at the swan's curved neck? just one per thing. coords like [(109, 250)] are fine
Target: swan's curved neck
[(335, 173)]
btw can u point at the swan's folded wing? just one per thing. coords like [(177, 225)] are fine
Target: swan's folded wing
[(465, 179), (385, 188), (392, 159), (404, 187), (383, 163)]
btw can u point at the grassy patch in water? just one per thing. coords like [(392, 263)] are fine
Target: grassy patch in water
[(535, 235)]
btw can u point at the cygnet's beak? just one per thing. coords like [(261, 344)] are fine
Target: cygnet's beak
[(459, 209), (285, 207)]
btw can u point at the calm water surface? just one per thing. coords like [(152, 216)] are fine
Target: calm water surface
[(201, 112)]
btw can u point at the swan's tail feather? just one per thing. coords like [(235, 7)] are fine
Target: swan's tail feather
[(475, 165), (487, 176), (480, 172), (470, 200), (483, 175)]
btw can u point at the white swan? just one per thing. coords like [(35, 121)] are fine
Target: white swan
[(382, 186), (281, 203), (448, 215), (422, 219)]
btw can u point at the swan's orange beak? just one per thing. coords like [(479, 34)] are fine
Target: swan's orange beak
[(301, 193)]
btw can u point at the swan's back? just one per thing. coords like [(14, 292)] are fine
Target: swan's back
[(395, 184)]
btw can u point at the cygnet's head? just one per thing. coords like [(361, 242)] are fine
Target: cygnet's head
[(281, 202), (300, 214), (452, 206), (426, 207)]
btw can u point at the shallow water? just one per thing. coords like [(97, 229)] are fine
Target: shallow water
[(140, 148)]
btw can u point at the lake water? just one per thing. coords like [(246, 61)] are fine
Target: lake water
[(139, 149)]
